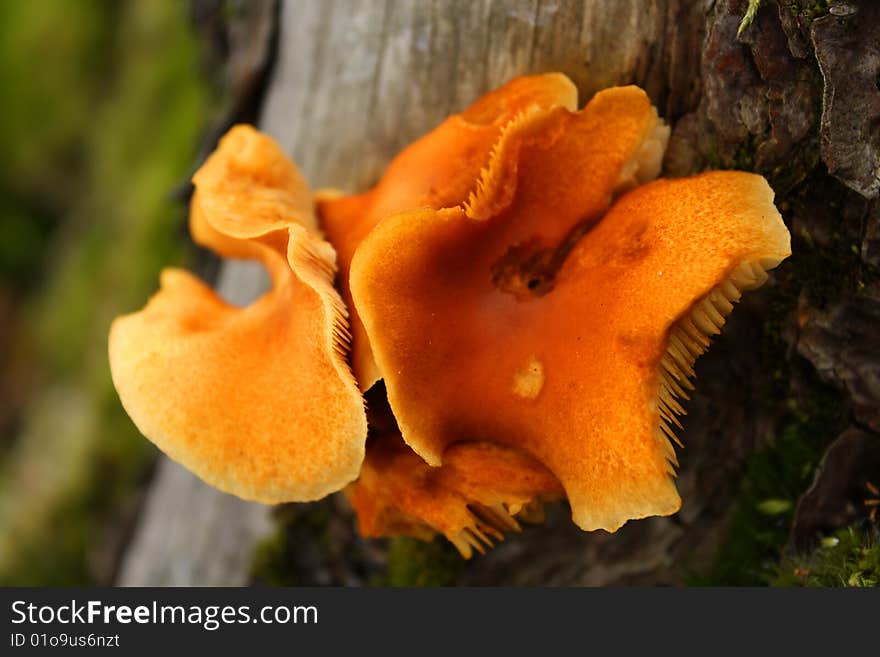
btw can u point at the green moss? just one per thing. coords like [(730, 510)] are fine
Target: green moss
[(749, 16), (744, 157), (811, 413), (304, 537), (809, 9), (276, 560), (814, 9), (418, 563), (771, 482), (270, 565), (850, 557)]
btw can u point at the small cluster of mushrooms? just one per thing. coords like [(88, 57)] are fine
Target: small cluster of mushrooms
[(524, 299)]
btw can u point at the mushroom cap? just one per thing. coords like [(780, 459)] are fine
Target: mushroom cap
[(574, 369), (438, 170), (257, 401), (250, 189), (247, 194), (480, 492)]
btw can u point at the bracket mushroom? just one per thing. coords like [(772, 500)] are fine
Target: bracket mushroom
[(257, 401), (544, 317), (533, 299)]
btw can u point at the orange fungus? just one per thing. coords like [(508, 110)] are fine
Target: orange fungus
[(532, 297)]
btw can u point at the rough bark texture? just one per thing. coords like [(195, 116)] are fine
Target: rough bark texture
[(794, 97)]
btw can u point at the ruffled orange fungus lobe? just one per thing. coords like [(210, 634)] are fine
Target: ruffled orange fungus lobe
[(539, 315), (257, 401), (481, 491), (437, 171), (532, 300)]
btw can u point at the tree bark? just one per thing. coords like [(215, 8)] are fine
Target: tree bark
[(794, 97)]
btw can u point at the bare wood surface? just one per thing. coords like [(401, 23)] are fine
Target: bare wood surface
[(356, 81)]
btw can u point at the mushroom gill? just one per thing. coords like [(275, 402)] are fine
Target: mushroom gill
[(482, 491), (257, 401)]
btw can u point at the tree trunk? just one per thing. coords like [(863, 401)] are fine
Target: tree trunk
[(794, 97)]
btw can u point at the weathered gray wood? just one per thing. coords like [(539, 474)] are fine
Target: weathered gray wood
[(192, 535), (356, 81)]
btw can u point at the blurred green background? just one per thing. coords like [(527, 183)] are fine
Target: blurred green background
[(104, 107)]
